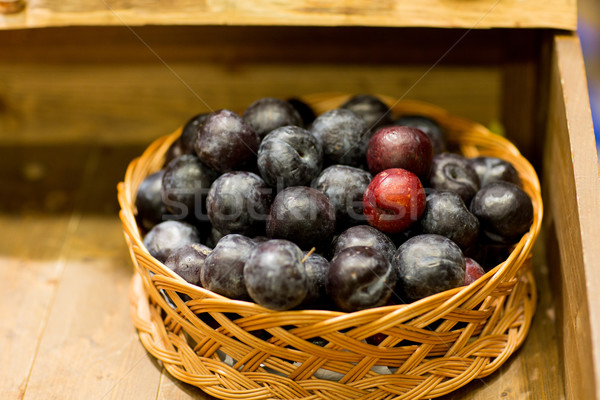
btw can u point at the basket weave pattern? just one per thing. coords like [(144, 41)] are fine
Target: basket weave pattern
[(240, 350)]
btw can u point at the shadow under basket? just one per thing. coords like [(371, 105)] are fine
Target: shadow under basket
[(239, 350)]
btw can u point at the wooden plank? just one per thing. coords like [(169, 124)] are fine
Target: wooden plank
[(173, 389), (36, 206), (231, 45), (572, 190), (429, 13), (90, 348), (117, 104), (28, 285)]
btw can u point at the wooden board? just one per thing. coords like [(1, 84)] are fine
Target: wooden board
[(143, 111), (152, 85), (572, 200), (28, 285), (429, 13)]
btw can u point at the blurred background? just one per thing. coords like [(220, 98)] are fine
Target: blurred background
[(589, 31)]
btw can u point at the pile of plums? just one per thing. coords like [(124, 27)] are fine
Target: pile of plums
[(346, 210)]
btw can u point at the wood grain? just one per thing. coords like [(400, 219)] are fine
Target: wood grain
[(36, 210), (429, 13), (89, 348), (122, 104), (30, 278), (572, 190)]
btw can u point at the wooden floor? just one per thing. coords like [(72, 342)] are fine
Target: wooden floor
[(65, 329)]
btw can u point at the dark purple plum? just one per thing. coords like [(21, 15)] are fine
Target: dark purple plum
[(344, 136), (365, 235), (400, 147), (238, 202), (289, 156), (316, 267), (223, 270), (184, 186), (454, 173), (175, 150), (428, 264), (493, 169), (306, 112), (275, 276), (446, 214), (185, 142), (504, 210), (359, 278), (370, 108), (429, 126), (225, 142), (148, 201), (190, 132), (213, 237), (268, 113), (344, 186), (187, 261), (167, 236), (302, 215)]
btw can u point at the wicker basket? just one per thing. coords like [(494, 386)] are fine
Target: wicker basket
[(240, 350)]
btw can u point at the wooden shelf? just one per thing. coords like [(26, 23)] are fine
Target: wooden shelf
[(471, 14), (78, 103)]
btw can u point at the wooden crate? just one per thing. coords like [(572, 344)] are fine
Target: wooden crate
[(107, 91)]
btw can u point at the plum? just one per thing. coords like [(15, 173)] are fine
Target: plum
[(473, 271), (454, 173), (184, 144), (344, 186), (316, 267), (302, 215), (447, 215), (504, 210), (184, 186), (344, 136), (238, 202), (275, 276), (148, 201), (493, 169), (365, 235), (370, 108), (289, 156), (223, 270), (360, 277), (167, 236), (269, 113), (190, 131), (187, 261), (225, 142), (429, 126), (394, 200), (306, 112), (428, 264), (400, 147)]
